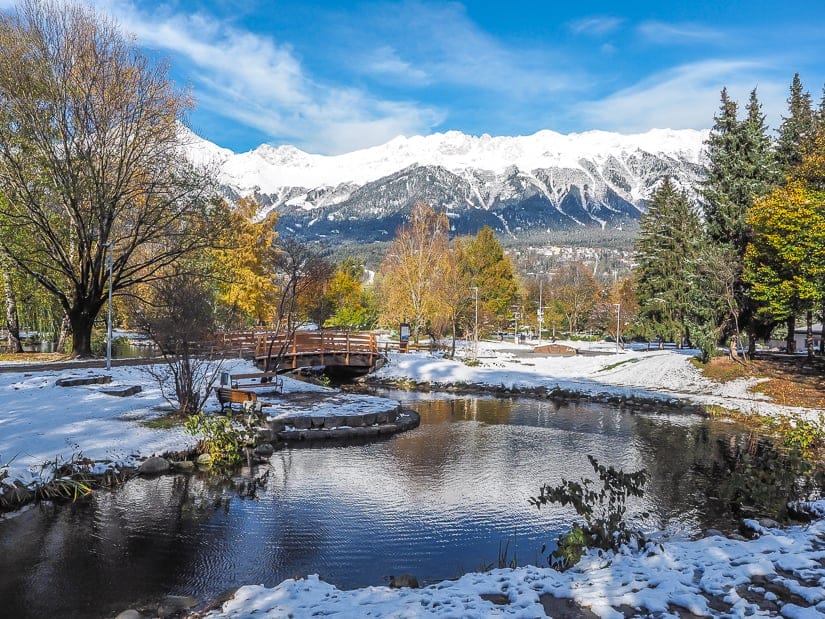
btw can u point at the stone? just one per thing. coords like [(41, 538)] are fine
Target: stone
[(276, 425), (87, 380), (713, 533), (354, 421), (183, 465), (130, 614), (123, 392), (204, 460), (154, 466), (564, 608), (496, 598), (318, 422), (403, 580), (369, 419), (171, 605), (301, 423), (264, 450), (769, 523)]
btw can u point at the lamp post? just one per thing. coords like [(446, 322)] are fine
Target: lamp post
[(109, 317), (540, 313), (618, 313), (475, 330), (515, 331)]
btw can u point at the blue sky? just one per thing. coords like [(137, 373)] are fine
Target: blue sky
[(330, 77)]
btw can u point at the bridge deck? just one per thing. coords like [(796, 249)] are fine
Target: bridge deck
[(337, 350)]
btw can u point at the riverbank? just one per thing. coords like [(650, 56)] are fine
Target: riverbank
[(780, 572), (109, 428), (598, 372)]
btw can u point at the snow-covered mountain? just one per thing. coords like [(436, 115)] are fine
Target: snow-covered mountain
[(515, 184)]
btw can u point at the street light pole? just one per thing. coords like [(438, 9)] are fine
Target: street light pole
[(109, 317), (618, 313), (541, 310)]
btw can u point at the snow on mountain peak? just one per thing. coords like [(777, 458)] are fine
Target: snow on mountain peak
[(269, 168)]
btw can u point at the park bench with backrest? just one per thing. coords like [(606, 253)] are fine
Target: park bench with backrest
[(228, 396)]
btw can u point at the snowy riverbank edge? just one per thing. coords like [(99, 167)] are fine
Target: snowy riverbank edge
[(40, 422), (782, 571)]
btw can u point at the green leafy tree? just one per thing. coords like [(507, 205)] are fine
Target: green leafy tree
[(90, 158), (491, 270), (785, 262), (574, 293), (352, 306)]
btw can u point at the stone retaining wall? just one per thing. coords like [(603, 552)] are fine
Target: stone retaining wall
[(310, 428)]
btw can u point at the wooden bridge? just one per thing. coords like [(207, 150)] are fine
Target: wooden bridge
[(344, 352)]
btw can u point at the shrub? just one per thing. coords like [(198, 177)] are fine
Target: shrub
[(219, 437), (602, 509)]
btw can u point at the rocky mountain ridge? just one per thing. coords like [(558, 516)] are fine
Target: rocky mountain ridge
[(514, 184)]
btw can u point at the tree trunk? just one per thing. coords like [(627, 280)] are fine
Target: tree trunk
[(751, 345), (452, 351), (734, 353), (12, 322), (82, 318), (822, 329), (809, 333), (63, 333), (790, 343)]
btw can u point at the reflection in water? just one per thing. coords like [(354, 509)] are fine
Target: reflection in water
[(436, 501)]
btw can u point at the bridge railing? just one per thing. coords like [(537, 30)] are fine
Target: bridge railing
[(309, 342)]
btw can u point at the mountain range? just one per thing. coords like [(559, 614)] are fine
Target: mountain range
[(545, 181)]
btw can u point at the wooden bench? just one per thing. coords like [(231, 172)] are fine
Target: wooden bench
[(228, 397), (264, 378)]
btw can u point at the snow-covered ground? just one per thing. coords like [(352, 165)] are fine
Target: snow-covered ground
[(714, 576), (41, 422), (781, 572), (666, 374)]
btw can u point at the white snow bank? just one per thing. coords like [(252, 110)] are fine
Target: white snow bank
[(675, 574), (665, 374)]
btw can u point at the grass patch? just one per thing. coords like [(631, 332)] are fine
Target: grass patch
[(786, 381), (34, 357), (617, 364), (165, 422)]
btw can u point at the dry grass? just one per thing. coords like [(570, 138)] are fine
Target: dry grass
[(791, 381), (34, 357)]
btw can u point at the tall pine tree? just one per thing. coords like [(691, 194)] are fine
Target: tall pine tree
[(666, 252), (797, 128), (741, 167)]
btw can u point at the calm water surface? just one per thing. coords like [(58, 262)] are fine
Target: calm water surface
[(438, 501)]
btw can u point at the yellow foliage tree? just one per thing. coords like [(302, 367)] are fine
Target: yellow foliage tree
[(411, 270), (246, 264)]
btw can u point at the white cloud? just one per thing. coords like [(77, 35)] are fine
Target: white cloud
[(385, 61), (685, 97), (442, 46), (254, 80), (596, 25), (661, 32)]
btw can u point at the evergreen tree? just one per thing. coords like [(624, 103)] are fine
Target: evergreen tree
[(797, 128), (666, 252), (741, 166)]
